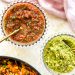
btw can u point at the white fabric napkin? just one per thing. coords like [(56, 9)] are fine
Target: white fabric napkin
[(55, 7), (69, 6)]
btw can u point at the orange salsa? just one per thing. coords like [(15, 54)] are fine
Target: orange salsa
[(27, 16)]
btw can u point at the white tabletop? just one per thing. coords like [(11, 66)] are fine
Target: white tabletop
[(33, 54)]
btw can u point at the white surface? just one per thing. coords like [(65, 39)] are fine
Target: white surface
[(33, 54)]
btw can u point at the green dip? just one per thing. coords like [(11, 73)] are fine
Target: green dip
[(59, 53)]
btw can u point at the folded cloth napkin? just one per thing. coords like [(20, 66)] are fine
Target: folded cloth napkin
[(55, 7), (69, 6), (62, 8)]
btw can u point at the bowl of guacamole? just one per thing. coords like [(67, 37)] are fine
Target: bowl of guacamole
[(59, 54)]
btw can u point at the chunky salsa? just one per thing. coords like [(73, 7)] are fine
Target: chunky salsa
[(27, 16), (13, 67), (59, 54)]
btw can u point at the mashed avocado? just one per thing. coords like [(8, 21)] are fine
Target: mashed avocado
[(59, 53)]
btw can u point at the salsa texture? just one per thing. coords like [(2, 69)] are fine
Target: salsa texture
[(59, 53), (13, 67), (27, 16)]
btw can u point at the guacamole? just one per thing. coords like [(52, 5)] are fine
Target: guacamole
[(59, 53)]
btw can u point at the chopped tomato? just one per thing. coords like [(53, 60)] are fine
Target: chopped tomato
[(27, 16)]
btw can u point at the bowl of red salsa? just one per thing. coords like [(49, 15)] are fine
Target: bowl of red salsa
[(29, 17)]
